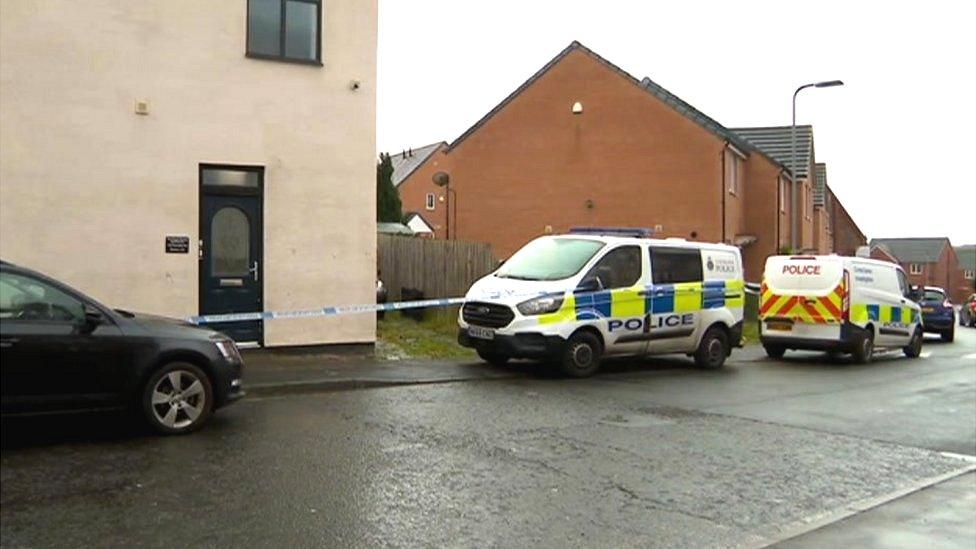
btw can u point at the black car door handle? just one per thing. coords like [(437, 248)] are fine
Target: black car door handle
[(8, 342)]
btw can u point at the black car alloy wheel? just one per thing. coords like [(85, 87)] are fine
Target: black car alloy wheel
[(178, 398)]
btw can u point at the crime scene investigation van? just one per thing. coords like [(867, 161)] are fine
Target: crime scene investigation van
[(600, 292), (840, 304)]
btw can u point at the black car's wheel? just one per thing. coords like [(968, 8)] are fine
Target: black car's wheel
[(914, 347), (581, 357), (493, 358), (775, 351), (949, 335), (863, 350), (177, 399), (712, 349)]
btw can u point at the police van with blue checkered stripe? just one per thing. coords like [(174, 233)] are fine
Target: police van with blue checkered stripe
[(597, 292)]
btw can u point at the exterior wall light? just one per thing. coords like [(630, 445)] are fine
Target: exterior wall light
[(577, 108)]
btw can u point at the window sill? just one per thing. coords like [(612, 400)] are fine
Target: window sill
[(308, 62)]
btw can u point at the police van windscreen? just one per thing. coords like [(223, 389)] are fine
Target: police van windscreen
[(550, 259)]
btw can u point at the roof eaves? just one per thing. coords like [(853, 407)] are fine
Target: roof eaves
[(531, 80), (690, 112), (765, 140), (662, 94)]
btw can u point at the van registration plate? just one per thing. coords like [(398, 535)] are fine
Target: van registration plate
[(481, 333), (779, 325)]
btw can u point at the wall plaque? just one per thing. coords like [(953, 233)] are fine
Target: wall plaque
[(177, 244)]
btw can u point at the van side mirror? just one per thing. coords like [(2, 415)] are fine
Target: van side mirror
[(915, 293)]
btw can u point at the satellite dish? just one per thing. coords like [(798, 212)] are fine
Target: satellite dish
[(441, 179)]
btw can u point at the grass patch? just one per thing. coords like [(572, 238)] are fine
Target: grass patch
[(433, 337), (750, 322), (750, 332)]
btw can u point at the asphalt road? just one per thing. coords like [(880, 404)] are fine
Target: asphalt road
[(650, 453)]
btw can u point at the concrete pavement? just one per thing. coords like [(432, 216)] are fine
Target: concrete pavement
[(942, 515)]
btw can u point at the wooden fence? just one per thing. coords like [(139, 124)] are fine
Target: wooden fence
[(438, 268)]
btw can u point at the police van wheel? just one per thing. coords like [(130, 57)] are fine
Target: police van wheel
[(863, 350), (495, 359), (775, 351), (712, 349), (581, 357), (914, 347)]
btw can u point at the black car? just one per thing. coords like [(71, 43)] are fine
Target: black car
[(62, 351)]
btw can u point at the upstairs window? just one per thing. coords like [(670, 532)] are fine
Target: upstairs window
[(430, 201), (782, 195), (734, 168), (969, 275), (807, 200), (287, 30), (915, 268)]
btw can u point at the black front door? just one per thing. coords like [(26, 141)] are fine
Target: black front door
[(231, 251)]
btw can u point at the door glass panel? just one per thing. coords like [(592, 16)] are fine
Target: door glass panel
[(230, 178), (230, 243)]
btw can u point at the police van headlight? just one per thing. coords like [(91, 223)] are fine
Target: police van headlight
[(540, 305)]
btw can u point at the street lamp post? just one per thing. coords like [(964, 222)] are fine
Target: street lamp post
[(443, 179), (794, 203)]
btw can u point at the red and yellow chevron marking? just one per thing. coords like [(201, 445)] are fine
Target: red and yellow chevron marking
[(814, 310)]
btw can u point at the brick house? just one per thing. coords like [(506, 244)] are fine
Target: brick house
[(582, 142), (967, 263), (776, 142), (847, 236), (926, 261), (421, 196)]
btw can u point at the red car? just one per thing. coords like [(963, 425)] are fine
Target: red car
[(967, 313)]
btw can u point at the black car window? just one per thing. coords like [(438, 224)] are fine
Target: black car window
[(28, 299), (671, 265), (620, 268)]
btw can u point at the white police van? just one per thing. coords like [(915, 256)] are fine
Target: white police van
[(599, 292), (838, 304)]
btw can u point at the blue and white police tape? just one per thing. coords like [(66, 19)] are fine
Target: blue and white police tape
[(375, 307), (326, 311)]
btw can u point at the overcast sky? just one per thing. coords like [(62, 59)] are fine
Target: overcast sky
[(898, 138)]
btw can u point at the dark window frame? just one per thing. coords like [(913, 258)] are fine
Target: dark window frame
[(695, 253), (281, 35)]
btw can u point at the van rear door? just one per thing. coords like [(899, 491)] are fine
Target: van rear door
[(803, 289)]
